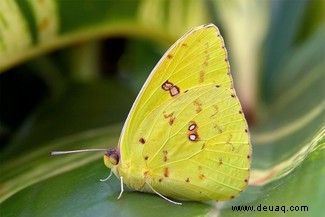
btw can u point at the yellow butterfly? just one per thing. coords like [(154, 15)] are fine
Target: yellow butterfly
[(186, 136)]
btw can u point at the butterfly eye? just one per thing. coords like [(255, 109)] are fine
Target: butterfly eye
[(113, 159), (113, 156)]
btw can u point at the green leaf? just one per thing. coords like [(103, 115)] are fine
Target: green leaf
[(30, 28)]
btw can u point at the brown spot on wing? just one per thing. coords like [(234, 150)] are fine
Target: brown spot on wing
[(168, 86), (192, 131), (142, 140), (165, 155), (230, 143), (202, 176), (201, 76), (171, 118), (174, 91), (169, 56), (146, 157), (206, 61), (198, 105), (187, 180), (220, 161), (166, 172), (218, 128), (216, 108), (171, 121)]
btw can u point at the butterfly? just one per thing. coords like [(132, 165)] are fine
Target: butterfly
[(186, 136)]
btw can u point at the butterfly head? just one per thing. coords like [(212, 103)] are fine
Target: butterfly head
[(112, 157)]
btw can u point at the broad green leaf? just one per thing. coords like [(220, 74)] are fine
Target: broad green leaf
[(30, 28)]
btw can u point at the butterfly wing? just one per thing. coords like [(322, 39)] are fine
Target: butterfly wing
[(197, 147), (186, 128), (198, 58)]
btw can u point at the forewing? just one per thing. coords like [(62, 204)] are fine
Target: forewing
[(197, 59)]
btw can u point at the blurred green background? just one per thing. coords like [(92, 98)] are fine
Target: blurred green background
[(71, 70)]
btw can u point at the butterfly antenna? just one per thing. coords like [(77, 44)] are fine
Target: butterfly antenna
[(165, 198), (53, 153)]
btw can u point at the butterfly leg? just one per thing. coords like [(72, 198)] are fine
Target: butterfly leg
[(110, 174), (162, 196), (122, 188)]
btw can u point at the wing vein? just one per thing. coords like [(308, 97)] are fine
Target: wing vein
[(216, 170)]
